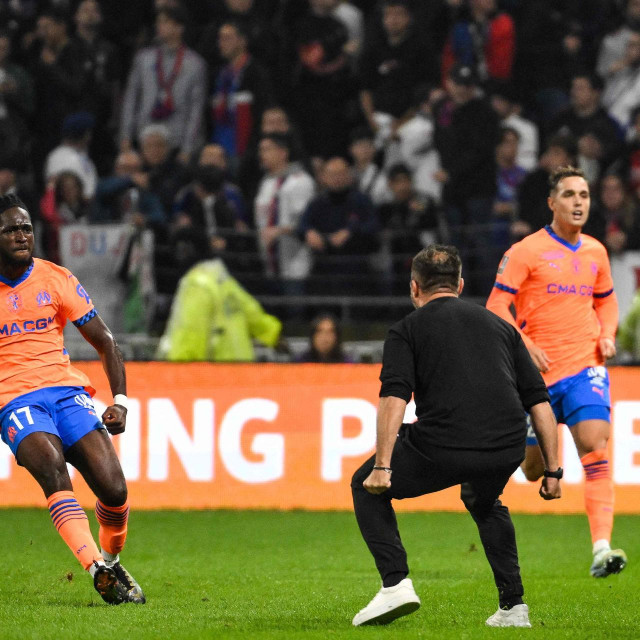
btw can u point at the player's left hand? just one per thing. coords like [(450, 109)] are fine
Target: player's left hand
[(114, 419), (607, 347), (377, 482)]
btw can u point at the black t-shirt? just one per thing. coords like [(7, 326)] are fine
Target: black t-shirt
[(470, 372)]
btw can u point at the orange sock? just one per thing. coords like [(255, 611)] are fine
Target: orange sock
[(113, 526), (72, 524), (598, 494)]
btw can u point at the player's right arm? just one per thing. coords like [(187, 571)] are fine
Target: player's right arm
[(98, 335), (515, 267), (546, 429)]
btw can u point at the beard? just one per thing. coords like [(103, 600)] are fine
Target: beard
[(13, 260)]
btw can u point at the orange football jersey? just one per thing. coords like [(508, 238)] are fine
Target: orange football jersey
[(563, 296), (33, 312)]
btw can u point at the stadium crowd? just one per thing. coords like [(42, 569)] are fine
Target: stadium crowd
[(316, 145)]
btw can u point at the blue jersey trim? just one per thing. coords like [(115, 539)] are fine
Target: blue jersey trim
[(555, 236), (22, 278), (604, 294), (503, 287), (85, 318)]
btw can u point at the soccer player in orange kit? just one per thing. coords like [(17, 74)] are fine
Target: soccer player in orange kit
[(47, 417), (559, 281)]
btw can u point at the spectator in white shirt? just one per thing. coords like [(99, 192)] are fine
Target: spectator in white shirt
[(370, 178), (73, 153), (505, 103), (282, 197)]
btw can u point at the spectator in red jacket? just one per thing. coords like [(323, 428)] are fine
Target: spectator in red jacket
[(485, 39)]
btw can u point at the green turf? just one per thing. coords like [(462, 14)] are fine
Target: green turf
[(225, 574)]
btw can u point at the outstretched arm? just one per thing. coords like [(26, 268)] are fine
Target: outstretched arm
[(97, 334)]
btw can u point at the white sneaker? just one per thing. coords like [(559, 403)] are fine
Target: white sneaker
[(517, 616), (388, 604), (608, 561)]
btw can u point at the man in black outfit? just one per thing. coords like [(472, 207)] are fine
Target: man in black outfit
[(473, 380)]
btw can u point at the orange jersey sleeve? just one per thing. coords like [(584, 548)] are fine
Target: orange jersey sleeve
[(514, 269), (605, 300), (33, 312), (563, 297)]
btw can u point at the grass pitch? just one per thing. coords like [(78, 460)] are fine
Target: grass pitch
[(263, 575)]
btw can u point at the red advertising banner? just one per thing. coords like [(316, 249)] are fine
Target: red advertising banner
[(286, 436)]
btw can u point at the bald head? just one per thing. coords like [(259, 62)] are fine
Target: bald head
[(336, 174)]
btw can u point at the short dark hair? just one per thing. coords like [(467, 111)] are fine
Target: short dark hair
[(281, 140), (596, 82), (177, 14), (565, 142), (10, 201), (241, 27), (506, 130), (399, 3), (437, 266), (399, 169), (561, 173)]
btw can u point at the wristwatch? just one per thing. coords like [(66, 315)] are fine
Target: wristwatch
[(554, 474)]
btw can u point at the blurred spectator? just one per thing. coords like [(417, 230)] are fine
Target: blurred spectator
[(409, 221), (509, 177), (622, 89), (166, 175), (125, 196), (370, 178), (484, 39), (214, 155), (466, 135), (340, 227), (214, 319), (533, 211), (613, 49), (416, 144), (629, 330), (320, 86), (241, 92), (505, 103), (353, 20), (56, 70), (392, 66), (203, 207), (598, 136), (254, 15), (73, 152), (282, 197), (509, 174), (551, 51), (62, 203), (630, 158), (100, 67), (17, 101), (166, 85), (274, 120), (325, 341), (619, 214)]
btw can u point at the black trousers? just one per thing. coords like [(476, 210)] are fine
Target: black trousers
[(418, 471)]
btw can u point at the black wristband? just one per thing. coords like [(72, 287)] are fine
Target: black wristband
[(557, 474), (389, 470)]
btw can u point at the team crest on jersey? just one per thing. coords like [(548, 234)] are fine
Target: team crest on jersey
[(11, 432), (43, 298), (503, 264), (14, 302), (594, 268)]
